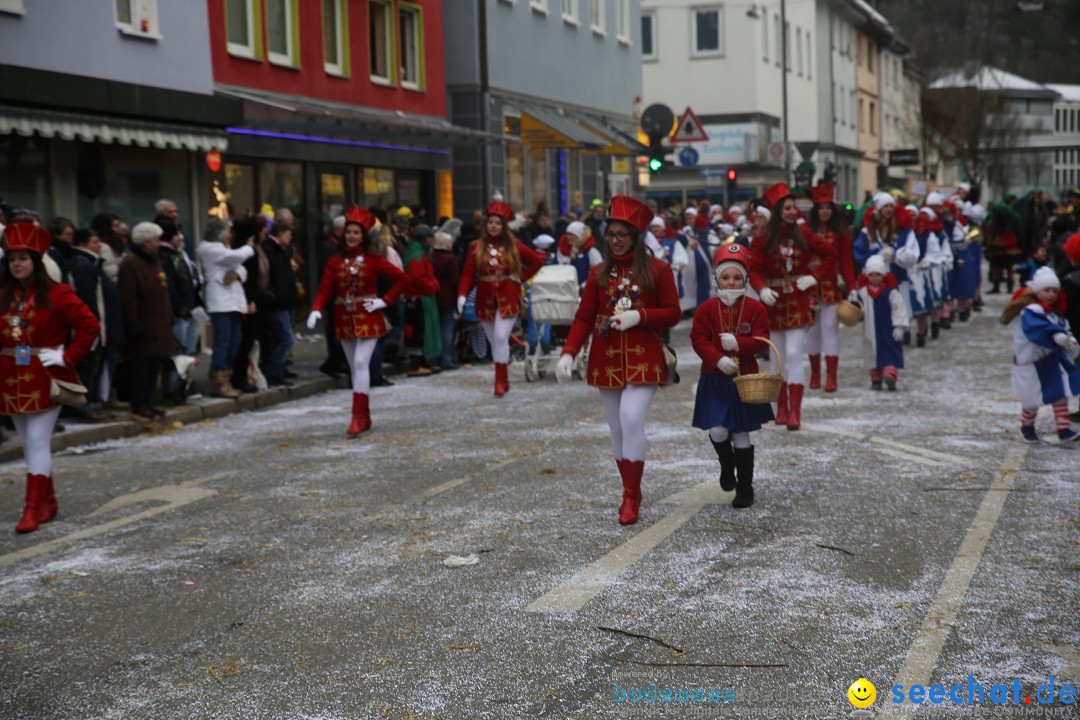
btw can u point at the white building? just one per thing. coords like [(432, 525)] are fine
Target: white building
[(901, 116), (1066, 129)]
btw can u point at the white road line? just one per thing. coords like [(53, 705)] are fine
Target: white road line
[(930, 453), (923, 655), (907, 456), (816, 427), (175, 496), (590, 581), (451, 484)]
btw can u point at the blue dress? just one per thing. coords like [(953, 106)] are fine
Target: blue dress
[(718, 403)]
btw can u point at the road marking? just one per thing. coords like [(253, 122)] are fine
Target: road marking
[(913, 449), (907, 456), (174, 496), (817, 427), (590, 581), (451, 484), (923, 655)]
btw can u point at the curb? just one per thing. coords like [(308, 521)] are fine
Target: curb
[(209, 409)]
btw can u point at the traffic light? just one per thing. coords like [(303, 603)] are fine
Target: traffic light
[(830, 172), (657, 154), (732, 179)]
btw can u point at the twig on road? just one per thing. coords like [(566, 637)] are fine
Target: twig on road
[(838, 549), (686, 664), (974, 489), (678, 650)]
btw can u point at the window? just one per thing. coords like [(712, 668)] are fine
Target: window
[(648, 36), (1057, 120), (622, 21), (136, 17), (596, 16), (411, 36), (873, 114), (852, 106), (798, 50), (779, 40), (707, 33), (539, 6), (869, 55), (380, 41), (764, 35), (15, 7), (282, 38), (843, 110), (241, 19), (787, 46), (896, 73), (862, 117), (569, 12), (335, 38), (809, 56)]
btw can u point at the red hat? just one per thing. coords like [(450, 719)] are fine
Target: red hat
[(775, 194), (26, 236), (701, 221), (502, 210), (630, 211), (732, 252), (1072, 248), (822, 193), (360, 216)]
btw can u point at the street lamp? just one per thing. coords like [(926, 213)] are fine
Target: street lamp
[(753, 14)]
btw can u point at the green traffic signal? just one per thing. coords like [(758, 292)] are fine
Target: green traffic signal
[(655, 164), (849, 207)]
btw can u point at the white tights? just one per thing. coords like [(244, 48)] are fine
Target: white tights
[(498, 334), (825, 332), (720, 433), (359, 354), (791, 343), (35, 431), (626, 410)]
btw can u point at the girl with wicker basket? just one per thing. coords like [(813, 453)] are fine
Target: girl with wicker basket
[(726, 335)]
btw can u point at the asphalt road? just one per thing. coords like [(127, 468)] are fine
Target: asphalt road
[(263, 566)]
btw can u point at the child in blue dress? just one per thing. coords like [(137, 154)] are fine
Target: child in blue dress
[(885, 318)]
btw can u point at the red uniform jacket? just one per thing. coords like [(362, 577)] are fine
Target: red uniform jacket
[(495, 281), (745, 319), (633, 357), (25, 388), (421, 277), (845, 258), (357, 274), (793, 308)]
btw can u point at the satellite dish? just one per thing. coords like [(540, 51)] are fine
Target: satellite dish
[(657, 120)]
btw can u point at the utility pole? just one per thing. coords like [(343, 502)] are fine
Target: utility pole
[(783, 86)]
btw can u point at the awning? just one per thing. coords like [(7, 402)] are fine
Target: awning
[(541, 127), (612, 145), (97, 128)]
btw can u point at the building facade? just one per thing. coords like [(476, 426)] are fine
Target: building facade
[(557, 80), (1066, 132)]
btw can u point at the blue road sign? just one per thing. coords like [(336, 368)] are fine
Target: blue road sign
[(688, 156), (713, 171)]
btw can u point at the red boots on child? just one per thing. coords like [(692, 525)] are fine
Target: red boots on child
[(40, 503), (631, 472), (361, 414)]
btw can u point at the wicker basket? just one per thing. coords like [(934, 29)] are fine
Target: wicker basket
[(849, 313), (761, 388)]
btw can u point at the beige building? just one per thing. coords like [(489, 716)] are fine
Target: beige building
[(868, 107)]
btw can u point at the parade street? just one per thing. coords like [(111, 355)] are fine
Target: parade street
[(263, 566)]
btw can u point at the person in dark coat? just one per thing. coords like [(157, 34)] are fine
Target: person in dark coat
[(257, 294), (282, 302), (448, 273), (335, 364), (147, 316), (183, 287)]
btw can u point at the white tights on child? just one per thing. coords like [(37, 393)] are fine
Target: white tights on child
[(359, 354), (498, 334), (720, 433), (35, 431), (791, 344), (825, 332), (626, 410)]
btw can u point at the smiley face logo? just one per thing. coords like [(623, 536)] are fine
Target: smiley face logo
[(862, 693)]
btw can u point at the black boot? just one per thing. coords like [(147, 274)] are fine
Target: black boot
[(744, 489), (726, 457), (935, 330), (920, 340), (907, 337)]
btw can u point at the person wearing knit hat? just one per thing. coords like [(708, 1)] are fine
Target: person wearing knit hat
[(628, 301), (1044, 356), (46, 332), (885, 319), (726, 335), (696, 276), (577, 247), (887, 231), (923, 294)]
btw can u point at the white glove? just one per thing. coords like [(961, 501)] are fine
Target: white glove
[(887, 254), (727, 366), (853, 296), (768, 296), (374, 304), (1060, 338), (629, 319), (898, 334), (805, 282), (564, 369), (924, 264), (313, 318), (460, 304), (728, 342), (51, 357)]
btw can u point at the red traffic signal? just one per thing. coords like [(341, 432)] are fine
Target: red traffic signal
[(731, 175)]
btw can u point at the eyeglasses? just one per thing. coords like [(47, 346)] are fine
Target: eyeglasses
[(609, 236)]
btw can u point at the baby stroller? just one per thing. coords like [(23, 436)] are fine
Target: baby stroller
[(553, 301)]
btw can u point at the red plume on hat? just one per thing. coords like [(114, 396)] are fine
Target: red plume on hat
[(822, 193), (1072, 248), (701, 221), (775, 194), (502, 210), (630, 211), (360, 216), (26, 236)]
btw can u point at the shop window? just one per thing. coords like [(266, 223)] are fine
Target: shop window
[(411, 32), (648, 36), (282, 32), (408, 189), (707, 32), (25, 173), (127, 180), (515, 175), (376, 187), (335, 38), (380, 42), (138, 18), (241, 20)]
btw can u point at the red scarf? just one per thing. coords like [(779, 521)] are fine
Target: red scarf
[(566, 246)]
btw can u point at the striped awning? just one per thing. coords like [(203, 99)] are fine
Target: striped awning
[(97, 128)]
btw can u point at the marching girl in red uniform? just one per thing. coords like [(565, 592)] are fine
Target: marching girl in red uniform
[(38, 316), (627, 302), (498, 263), (827, 224), (781, 275), (349, 281)]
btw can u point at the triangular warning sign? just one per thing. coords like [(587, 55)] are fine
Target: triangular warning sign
[(689, 129)]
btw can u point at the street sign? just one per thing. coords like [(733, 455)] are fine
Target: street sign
[(713, 171), (714, 181), (688, 156), (904, 157), (689, 129), (804, 174), (807, 149), (775, 152)]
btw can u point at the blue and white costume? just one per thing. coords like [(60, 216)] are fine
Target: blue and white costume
[(884, 310), (1043, 371)]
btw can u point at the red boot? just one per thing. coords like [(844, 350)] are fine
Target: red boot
[(781, 405), (794, 407), (502, 380), (631, 471), (815, 371), (361, 414), (35, 488), (47, 507), (831, 362)]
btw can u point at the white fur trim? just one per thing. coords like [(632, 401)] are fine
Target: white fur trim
[(882, 199), (1044, 278), (875, 263)]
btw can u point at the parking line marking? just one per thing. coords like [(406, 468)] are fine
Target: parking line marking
[(925, 649), (907, 456), (451, 484), (175, 496), (930, 453)]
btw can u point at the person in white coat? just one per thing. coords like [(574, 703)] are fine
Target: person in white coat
[(701, 244), (224, 271)]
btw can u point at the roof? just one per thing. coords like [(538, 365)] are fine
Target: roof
[(1069, 93), (992, 79)]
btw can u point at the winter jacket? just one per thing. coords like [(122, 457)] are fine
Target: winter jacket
[(148, 316), (282, 285), (448, 273), (218, 261), (183, 286)]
